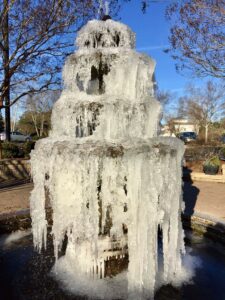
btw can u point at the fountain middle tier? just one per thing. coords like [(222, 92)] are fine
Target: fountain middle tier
[(104, 118), (98, 188)]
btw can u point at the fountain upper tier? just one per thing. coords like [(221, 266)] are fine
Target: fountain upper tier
[(105, 63), (121, 73), (109, 34), (109, 87)]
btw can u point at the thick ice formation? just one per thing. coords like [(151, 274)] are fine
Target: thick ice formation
[(113, 184)]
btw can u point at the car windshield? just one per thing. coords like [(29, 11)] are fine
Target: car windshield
[(189, 134), (16, 133)]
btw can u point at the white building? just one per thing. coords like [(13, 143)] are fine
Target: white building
[(178, 125), (183, 125)]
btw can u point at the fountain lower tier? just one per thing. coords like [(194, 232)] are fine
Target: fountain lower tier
[(125, 190)]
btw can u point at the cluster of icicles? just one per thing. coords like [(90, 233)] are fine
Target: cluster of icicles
[(112, 185)]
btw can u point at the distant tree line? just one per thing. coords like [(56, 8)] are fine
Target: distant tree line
[(204, 106)]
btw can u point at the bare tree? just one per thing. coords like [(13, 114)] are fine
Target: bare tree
[(197, 36), (39, 106), (14, 115), (169, 110), (186, 110), (203, 105), (164, 97), (35, 37)]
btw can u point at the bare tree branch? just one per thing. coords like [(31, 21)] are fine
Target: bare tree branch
[(197, 36)]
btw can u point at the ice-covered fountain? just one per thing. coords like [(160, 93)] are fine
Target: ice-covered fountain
[(112, 183)]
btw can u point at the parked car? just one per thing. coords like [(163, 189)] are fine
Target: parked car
[(15, 136), (187, 136)]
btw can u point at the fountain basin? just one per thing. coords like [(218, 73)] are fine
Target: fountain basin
[(25, 274), (98, 187)]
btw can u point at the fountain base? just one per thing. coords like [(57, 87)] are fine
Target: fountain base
[(125, 190)]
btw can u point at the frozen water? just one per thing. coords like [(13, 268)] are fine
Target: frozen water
[(112, 183), (103, 7), (95, 288), (105, 34), (6, 240)]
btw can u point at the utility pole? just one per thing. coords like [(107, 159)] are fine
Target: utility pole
[(6, 88)]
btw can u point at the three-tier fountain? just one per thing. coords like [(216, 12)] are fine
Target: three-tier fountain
[(113, 184)]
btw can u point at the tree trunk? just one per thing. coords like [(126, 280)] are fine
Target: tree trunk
[(1, 156), (34, 118), (206, 133), (14, 116), (6, 87), (197, 126), (42, 125)]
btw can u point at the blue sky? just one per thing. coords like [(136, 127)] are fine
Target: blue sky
[(152, 32)]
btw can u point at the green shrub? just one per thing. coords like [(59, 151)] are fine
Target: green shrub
[(27, 147), (213, 161), (11, 150), (35, 138), (222, 153), (211, 165), (17, 150)]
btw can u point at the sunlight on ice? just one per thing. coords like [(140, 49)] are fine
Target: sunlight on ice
[(112, 183)]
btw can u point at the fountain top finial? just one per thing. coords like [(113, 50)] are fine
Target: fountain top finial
[(105, 33), (103, 9), (106, 17)]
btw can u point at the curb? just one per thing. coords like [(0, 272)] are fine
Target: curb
[(206, 226), (198, 176), (14, 221), (12, 183)]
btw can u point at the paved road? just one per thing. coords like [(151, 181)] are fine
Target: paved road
[(207, 198), (15, 198)]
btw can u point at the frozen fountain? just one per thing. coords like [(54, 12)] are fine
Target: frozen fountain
[(112, 183)]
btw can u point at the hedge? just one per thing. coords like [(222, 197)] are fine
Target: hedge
[(17, 150)]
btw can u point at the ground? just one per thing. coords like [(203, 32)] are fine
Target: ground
[(15, 198), (207, 198)]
